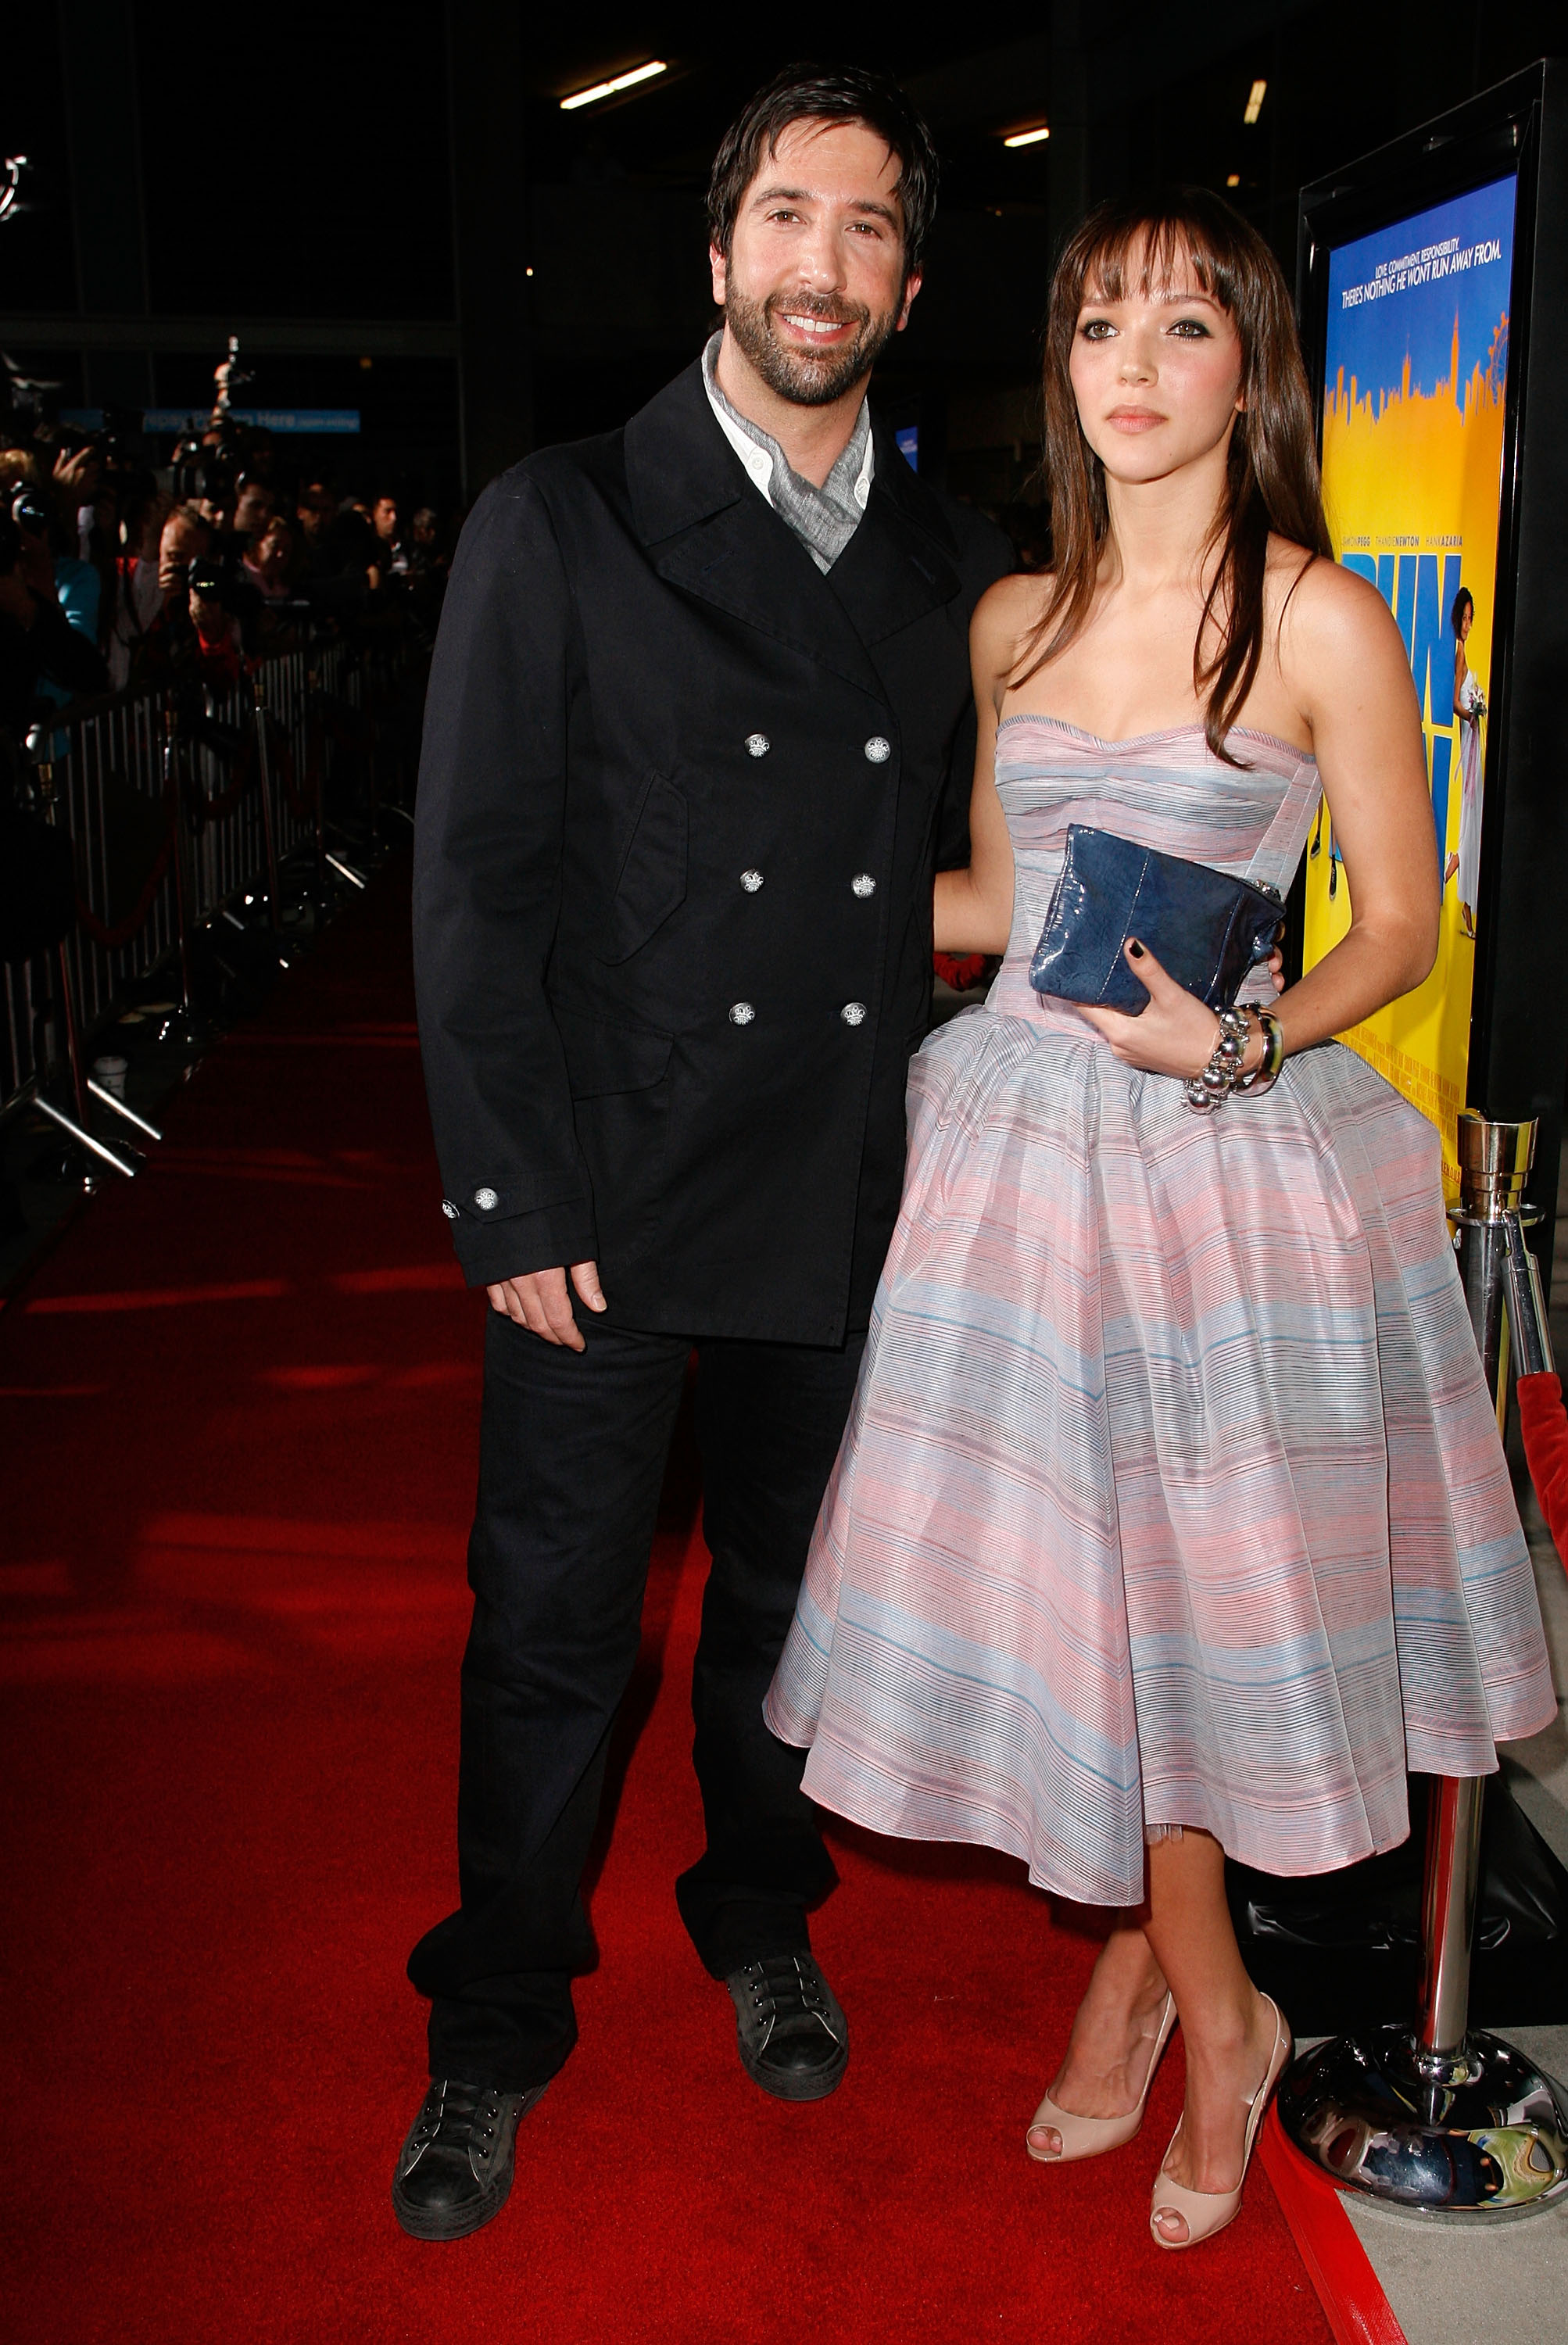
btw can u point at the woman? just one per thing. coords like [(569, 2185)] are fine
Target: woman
[(1172, 1508), (266, 562), (1469, 708), (138, 595)]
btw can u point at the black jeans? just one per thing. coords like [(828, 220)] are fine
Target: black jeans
[(572, 1458)]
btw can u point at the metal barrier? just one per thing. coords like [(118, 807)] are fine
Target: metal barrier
[(1441, 2119), (182, 800)]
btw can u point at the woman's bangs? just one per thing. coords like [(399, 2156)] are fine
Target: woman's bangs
[(1152, 254)]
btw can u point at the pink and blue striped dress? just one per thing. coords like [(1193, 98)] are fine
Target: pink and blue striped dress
[(1172, 1493)]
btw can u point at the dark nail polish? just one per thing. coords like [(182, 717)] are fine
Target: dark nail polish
[(1135, 948)]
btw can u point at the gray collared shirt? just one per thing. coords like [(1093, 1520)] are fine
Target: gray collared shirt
[(824, 518)]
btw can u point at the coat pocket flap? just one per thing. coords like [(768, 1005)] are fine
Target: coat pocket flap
[(605, 1056), (651, 883)]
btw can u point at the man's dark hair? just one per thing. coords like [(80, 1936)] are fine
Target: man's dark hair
[(828, 93)]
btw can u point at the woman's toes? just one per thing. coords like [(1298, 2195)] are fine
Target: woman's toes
[(1171, 2226), (1045, 2141)]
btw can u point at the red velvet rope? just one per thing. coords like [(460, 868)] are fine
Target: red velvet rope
[(213, 809), (111, 939), (282, 766), (1544, 1429)]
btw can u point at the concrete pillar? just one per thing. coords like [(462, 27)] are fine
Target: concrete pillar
[(490, 234), (97, 49)]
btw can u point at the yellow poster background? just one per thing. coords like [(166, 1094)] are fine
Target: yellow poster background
[(1407, 473)]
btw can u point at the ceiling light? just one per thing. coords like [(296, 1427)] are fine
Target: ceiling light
[(612, 88), (1028, 137), (1254, 103), (1232, 179)]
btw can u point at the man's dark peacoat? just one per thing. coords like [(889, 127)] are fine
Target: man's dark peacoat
[(678, 810)]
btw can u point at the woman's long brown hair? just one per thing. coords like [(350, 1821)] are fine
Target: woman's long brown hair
[(1271, 480)]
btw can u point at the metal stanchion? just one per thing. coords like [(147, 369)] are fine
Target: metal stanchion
[(372, 766), (322, 894), (325, 859), (79, 1160), (184, 1028), (1441, 2119), (268, 833)]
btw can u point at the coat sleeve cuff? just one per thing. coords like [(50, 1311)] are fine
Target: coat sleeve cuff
[(552, 1238)]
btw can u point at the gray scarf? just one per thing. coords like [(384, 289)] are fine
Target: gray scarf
[(824, 518)]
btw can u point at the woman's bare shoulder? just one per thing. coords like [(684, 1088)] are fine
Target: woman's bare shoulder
[(1335, 630), (1317, 600)]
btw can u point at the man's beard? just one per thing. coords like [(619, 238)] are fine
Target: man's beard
[(807, 378)]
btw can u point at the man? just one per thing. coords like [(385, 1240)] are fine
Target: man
[(424, 535), (315, 509), (700, 693), (386, 520)]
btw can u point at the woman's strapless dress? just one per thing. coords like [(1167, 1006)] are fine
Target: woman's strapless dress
[(1172, 1494)]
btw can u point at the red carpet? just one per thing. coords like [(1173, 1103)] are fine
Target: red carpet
[(243, 1402)]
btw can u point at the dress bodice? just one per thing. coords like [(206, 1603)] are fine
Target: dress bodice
[(1166, 790)]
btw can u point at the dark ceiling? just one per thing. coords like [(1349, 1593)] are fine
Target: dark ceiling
[(297, 164)]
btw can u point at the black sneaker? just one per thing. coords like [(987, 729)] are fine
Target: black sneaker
[(455, 2171), (793, 2039)]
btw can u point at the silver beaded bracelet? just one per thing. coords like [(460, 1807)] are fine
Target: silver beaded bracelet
[(1209, 1089)]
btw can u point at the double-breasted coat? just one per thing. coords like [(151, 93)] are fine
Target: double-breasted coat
[(681, 801)]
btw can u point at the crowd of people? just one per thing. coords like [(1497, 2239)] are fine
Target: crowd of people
[(116, 572)]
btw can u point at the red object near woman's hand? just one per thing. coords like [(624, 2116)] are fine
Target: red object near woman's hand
[(1544, 1428)]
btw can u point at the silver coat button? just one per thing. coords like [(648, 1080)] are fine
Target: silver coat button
[(757, 744), (486, 1200), (853, 1013), (741, 1013), (751, 881), (862, 885), (448, 1209), (878, 750)]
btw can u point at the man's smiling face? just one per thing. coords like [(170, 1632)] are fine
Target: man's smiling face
[(813, 287)]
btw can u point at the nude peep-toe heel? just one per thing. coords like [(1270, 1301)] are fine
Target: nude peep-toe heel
[(1204, 2212), (1092, 2137)]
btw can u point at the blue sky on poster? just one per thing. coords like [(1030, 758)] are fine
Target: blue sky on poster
[(1407, 282)]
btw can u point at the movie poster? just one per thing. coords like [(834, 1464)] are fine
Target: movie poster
[(1415, 365)]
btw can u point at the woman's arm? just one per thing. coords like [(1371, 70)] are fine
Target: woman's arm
[(1343, 660), (1341, 650), (973, 910)]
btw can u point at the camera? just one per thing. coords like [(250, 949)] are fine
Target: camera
[(207, 580)]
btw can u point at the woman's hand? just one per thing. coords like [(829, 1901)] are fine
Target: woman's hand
[(1175, 1034)]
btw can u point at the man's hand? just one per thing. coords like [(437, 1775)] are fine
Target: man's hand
[(539, 1301), (78, 469)]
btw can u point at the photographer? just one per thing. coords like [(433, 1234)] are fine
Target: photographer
[(41, 654), (186, 537), (214, 647)]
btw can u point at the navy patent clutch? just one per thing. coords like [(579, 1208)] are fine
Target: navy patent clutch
[(1205, 929)]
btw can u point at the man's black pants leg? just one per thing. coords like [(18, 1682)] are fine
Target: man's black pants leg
[(770, 1418), (572, 1454), (573, 1450)]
